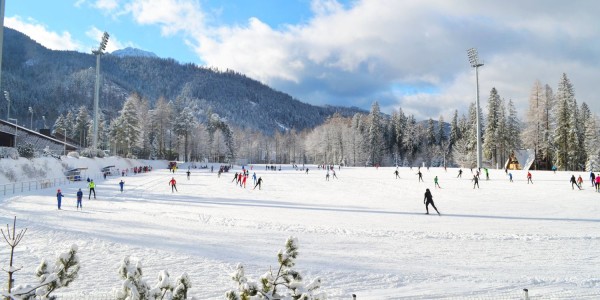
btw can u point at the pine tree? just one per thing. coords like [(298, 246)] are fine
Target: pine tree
[(533, 133), (411, 139), (563, 133), (455, 133), (161, 120), (376, 142), (183, 125), (547, 147), (82, 125), (441, 134), (490, 138), (129, 121), (59, 125), (70, 125), (592, 144), (285, 283), (513, 128)]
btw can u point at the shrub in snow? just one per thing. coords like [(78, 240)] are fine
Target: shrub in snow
[(73, 154), (26, 150), (91, 153), (9, 152), (135, 287), (286, 284), (62, 274)]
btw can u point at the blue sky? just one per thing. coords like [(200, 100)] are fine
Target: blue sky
[(401, 53)]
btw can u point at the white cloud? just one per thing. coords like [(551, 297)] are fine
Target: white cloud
[(108, 5), (173, 16), (41, 34), (360, 52)]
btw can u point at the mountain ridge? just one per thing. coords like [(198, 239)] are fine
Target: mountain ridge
[(55, 82)]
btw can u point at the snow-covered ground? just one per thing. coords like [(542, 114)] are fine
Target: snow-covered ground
[(365, 233)]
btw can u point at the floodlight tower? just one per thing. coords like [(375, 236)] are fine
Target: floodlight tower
[(475, 63), (98, 53)]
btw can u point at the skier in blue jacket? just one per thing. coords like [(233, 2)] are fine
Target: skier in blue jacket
[(79, 197), (59, 197)]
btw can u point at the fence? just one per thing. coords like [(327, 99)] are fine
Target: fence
[(27, 186)]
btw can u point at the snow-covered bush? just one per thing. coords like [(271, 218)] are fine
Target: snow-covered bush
[(91, 153), (30, 171), (135, 287), (73, 154), (65, 270), (26, 150), (9, 152), (286, 284)]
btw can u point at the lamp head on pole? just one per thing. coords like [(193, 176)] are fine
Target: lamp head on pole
[(102, 46), (7, 95), (31, 110), (474, 58)]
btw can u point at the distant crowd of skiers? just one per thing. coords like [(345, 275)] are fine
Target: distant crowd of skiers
[(240, 179)]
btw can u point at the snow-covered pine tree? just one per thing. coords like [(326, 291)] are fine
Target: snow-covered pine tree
[(411, 139), (502, 137), (133, 285), (286, 283), (547, 147), (584, 116), (441, 133), (70, 125), (64, 272), (82, 124), (376, 142), (400, 133), (183, 125), (532, 134), (563, 133), (513, 129), (161, 117), (130, 123), (454, 129), (59, 125), (356, 140), (490, 138), (592, 144)]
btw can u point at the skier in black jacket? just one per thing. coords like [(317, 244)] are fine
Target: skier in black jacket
[(429, 200)]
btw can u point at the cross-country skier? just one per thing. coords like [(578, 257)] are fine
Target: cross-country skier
[(173, 183), (459, 173), (574, 182), (79, 198), (258, 183), (92, 187), (420, 175), (396, 172), (121, 184), (59, 197), (593, 178), (435, 181), (529, 178), (188, 174), (510, 177), (475, 181), (429, 200)]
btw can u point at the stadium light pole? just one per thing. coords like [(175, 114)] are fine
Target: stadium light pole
[(7, 96), (16, 127), (44, 119), (31, 122), (1, 34), (475, 63), (98, 53)]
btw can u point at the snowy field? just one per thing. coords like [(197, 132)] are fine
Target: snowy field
[(365, 233)]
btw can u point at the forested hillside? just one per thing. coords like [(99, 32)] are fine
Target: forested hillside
[(56, 82)]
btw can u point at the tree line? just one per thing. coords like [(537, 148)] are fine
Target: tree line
[(562, 134)]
